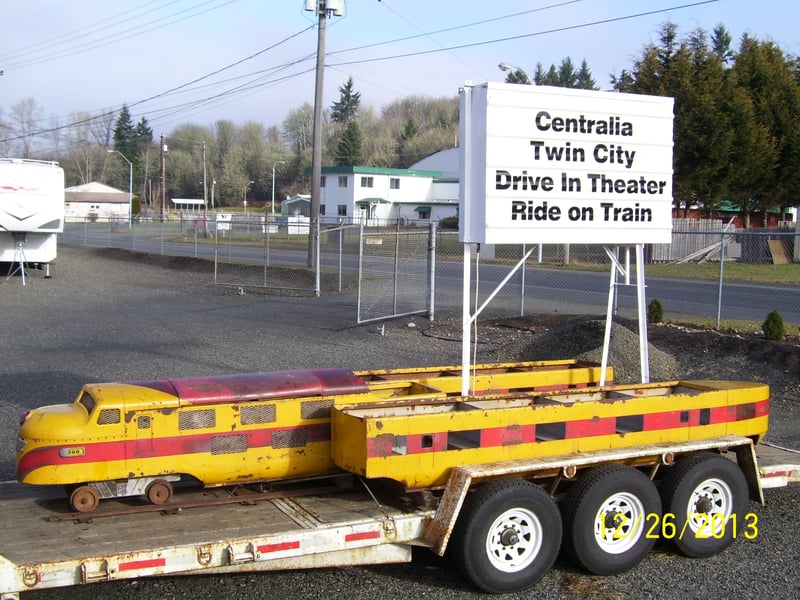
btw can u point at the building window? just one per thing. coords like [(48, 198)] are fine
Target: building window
[(342, 210), (394, 183), (342, 180), (366, 182), (424, 212), (322, 181), (322, 210)]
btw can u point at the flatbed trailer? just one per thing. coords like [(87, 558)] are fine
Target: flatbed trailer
[(536, 461), (369, 523)]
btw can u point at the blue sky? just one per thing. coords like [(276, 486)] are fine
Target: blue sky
[(179, 61)]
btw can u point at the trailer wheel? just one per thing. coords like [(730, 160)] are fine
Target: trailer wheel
[(159, 492), (708, 495), (605, 519), (84, 499), (507, 535)]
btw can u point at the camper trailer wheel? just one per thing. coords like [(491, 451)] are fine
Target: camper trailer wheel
[(84, 499), (607, 514), (159, 492), (708, 495), (507, 535)]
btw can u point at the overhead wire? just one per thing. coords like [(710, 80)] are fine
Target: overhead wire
[(255, 85), (116, 37), (526, 35)]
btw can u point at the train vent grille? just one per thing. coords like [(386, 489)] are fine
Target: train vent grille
[(316, 409), (228, 444), (196, 419), (253, 415), (289, 438)]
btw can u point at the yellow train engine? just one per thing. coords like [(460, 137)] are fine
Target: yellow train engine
[(138, 438)]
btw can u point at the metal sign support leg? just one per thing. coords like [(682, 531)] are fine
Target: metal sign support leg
[(618, 269)]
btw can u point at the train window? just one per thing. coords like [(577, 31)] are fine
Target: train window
[(260, 413), (228, 444), (87, 401), (108, 416), (289, 438), (316, 409), (143, 422), (196, 419)]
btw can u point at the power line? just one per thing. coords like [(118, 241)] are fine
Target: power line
[(264, 77), (524, 35), (113, 38)]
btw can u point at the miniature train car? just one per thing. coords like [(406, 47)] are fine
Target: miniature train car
[(418, 444), (137, 438)]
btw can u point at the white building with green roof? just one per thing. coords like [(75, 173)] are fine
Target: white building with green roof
[(382, 196)]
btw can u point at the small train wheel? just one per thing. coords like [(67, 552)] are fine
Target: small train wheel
[(84, 499), (159, 492)]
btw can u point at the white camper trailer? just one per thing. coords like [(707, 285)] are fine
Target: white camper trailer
[(31, 211)]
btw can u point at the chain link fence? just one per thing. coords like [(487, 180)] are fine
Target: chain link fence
[(395, 273), (711, 270)]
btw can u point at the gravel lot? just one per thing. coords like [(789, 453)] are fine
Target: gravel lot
[(108, 315)]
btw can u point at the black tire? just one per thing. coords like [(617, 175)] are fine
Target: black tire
[(708, 496), (507, 536), (607, 514)]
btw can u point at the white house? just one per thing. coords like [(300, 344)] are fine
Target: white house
[(95, 201), (381, 196), (297, 205)]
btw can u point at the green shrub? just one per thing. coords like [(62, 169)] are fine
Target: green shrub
[(655, 312), (449, 223), (773, 326)]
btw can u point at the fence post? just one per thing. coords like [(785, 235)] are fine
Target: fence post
[(431, 270), (522, 282), (721, 271), (318, 265)]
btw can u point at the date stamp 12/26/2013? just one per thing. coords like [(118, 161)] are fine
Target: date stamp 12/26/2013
[(667, 526)]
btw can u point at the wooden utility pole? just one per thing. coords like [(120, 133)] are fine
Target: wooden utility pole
[(322, 8)]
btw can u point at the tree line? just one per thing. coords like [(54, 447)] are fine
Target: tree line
[(736, 133)]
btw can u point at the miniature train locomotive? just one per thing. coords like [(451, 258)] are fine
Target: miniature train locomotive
[(138, 438)]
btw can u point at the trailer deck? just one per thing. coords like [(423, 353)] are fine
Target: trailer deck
[(346, 527)]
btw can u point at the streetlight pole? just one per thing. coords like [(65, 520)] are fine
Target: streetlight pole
[(514, 71), (245, 195), (280, 162), (130, 185)]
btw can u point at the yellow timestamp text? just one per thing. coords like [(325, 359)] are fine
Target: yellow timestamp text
[(699, 525)]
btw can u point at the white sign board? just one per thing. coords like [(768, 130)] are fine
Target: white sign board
[(223, 221), (556, 165)]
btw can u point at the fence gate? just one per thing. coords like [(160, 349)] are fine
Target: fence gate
[(395, 272)]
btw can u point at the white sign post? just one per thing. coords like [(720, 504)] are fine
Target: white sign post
[(545, 165)]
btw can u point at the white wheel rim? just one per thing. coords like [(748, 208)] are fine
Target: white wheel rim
[(514, 540), (619, 523), (709, 508)]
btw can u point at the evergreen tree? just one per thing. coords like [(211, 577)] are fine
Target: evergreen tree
[(584, 79), (124, 133), (345, 109), (539, 74), (567, 77), (768, 78), (721, 44), (517, 76), (348, 151)]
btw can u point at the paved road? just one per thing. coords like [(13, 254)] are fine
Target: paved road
[(580, 292)]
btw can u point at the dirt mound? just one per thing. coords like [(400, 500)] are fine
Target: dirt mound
[(582, 338)]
